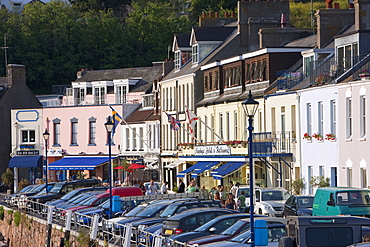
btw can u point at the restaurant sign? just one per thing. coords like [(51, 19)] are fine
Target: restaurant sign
[(212, 150)]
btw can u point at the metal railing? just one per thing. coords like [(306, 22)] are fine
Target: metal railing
[(96, 227)]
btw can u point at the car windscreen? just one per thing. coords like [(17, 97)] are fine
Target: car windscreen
[(205, 226), (305, 202), (135, 210), (241, 237), (26, 189), (276, 195), (151, 210), (38, 188), (239, 224), (168, 211), (358, 197), (246, 192), (79, 198), (56, 188), (89, 201), (70, 195)]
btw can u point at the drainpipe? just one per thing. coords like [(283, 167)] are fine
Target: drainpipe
[(299, 132)]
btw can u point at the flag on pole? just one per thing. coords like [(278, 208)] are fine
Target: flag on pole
[(192, 119), (116, 119), (175, 124)]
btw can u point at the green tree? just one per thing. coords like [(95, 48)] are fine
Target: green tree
[(298, 185), (319, 181), (8, 177)]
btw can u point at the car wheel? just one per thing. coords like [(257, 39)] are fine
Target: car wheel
[(286, 242)]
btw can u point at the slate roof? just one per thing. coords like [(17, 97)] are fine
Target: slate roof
[(212, 33), (183, 40), (141, 115), (309, 41), (141, 86), (148, 74)]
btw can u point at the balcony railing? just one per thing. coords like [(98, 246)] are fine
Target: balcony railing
[(89, 100), (323, 71), (263, 143)]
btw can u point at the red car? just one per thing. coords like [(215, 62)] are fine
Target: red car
[(99, 199)]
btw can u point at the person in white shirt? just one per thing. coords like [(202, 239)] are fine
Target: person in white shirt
[(152, 189), (164, 188)]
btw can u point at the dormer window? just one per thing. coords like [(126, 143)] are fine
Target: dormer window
[(177, 60), (148, 100), (195, 54), (121, 94)]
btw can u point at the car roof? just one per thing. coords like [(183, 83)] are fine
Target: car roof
[(197, 210), (276, 219)]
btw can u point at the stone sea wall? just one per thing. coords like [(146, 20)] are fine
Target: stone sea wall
[(18, 229)]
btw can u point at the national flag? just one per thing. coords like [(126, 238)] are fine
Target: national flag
[(175, 124), (192, 119), (116, 119)]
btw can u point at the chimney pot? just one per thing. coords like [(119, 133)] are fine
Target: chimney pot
[(233, 14), (204, 14), (351, 5), (210, 14), (329, 4), (336, 6), (217, 14), (225, 13)]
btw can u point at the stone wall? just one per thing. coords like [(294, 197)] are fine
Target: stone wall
[(20, 230)]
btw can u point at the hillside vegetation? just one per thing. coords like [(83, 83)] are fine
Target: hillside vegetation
[(56, 39)]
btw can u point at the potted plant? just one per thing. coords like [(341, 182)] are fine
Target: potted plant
[(322, 79), (317, 136), (307, 137), (330, 137)]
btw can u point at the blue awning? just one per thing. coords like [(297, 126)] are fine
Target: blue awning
[(78, 163), (198, 171), (26, 161), (224, 166), (198, 165), (227, 170)]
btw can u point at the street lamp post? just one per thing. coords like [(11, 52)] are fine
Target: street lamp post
[(109, 127), (46, 136), (250, 107)]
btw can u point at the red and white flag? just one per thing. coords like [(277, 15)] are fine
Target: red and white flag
[(192, 119)]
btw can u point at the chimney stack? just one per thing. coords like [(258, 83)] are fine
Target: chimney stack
[(362, 15), (16, 75)]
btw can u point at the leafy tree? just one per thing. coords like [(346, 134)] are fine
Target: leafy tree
[(319, 182), (8, 177), (150, 29), (298, 185)]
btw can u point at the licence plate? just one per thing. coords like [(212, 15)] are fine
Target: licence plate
[(168, 232)]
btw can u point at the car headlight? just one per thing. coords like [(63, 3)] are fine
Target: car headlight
[(268, 207)]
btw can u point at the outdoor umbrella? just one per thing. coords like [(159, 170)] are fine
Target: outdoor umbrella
[(135, 166), (119, 167)]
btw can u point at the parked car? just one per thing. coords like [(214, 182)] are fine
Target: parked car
[(84, 215), (191, 219), (100, 198), (275, 232), (60, 189), (341, 201), (247, 190), (28, 188), (298, 206), (270, 201), (214, 226), (175, 207), (73, 194), (240, 226)]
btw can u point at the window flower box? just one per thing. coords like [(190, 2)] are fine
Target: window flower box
[(317, 136), (364, 75), (330, 137), (307, 137)]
